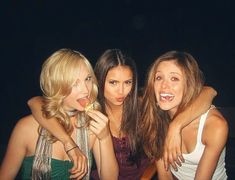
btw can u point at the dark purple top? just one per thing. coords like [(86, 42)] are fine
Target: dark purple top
[(127, 169)]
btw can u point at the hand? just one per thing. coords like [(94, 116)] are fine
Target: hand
[(172, 148), (79, 160), (99, 125)]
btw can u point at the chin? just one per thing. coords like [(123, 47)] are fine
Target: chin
[(165, 107)]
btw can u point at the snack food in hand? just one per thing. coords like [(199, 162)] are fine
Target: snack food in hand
[(89, 106)]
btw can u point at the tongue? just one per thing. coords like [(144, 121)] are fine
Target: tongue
[(84, 101)]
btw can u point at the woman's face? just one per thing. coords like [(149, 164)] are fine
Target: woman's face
[(118, 84), (169, 86), (79, 96)]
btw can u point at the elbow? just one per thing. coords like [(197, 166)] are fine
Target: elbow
[(211, 90)]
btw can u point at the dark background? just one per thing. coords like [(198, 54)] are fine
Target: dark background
[(33, 30)]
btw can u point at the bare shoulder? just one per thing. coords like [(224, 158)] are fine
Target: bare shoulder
[(26, 125), (216, 119), (216, 126)]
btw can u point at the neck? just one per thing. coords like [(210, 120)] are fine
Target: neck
[(172, 113), (115, 111)]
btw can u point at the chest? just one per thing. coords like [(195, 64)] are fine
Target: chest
[(190, 137)]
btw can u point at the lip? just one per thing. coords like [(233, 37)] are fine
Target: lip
[(83, 101), (120, 99)]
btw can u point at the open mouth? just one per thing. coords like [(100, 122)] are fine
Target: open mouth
[(85, 102), (166, 97)]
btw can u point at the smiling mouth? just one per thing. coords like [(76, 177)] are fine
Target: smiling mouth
[(166, 97)]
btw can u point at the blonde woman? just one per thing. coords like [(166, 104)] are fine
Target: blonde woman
[(68, 84)]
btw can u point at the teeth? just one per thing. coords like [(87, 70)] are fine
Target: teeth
[(166, 94)]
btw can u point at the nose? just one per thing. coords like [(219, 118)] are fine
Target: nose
[(84, 88), (121, 89), (165, 84)]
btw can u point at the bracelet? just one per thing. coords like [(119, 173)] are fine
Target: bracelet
[(71, 149)]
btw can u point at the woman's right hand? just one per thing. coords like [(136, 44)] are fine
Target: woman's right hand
[(79, 169), (99, 124)]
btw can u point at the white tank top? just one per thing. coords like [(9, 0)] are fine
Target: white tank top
[(188, 169)]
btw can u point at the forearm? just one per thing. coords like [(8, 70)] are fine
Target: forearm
[(52, 125), (199, 106), (108, 167), (162, 174)]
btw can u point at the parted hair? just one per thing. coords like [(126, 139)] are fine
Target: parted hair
[(109, 59), (154, 122), (58, 75)]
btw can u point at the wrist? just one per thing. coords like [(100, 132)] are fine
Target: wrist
[(176, 126), (68, 143), (108, 136)]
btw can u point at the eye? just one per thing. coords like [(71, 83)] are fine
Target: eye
[(89, 78), (158, 78), (113, 82), (129, 82), (174, 79)]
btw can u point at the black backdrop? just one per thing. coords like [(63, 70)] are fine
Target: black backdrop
[(31, 31)]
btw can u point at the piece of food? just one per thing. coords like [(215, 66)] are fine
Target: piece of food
[(89, 106)]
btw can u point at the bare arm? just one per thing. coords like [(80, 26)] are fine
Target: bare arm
[(172, 147), (214, 137), (15, 153), (162, 174), (103, 147), (149, 172), (53, 126)]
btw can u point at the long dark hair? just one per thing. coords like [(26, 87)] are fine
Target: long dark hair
[(108, 60)]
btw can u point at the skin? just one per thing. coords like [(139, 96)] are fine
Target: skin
[(170, 79), (172, 146), (22, 145), (118, 84)]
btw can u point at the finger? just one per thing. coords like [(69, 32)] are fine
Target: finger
[(79, 174), (165, 160), (76, 167), (172, 162), (97, 115), (181, 158), (75, 163), (173, 165), (79, 160), (76, 176), (178, 161)]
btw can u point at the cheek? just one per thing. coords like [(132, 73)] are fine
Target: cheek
[(128, 90), (107, 92), (156, 91), (179, 90)]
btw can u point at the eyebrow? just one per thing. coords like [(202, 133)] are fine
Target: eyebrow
[(170, 73), (176, 73)]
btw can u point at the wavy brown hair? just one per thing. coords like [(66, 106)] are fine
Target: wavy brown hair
[(154, 122)]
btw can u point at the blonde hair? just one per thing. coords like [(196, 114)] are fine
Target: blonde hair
[(154, 121), (58, 75)]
